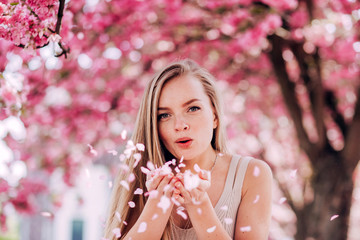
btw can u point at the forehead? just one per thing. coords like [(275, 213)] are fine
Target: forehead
[(181, 89)]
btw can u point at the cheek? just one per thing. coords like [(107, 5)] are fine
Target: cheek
[(163, 134)]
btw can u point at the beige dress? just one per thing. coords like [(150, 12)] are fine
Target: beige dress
[(227, 206)]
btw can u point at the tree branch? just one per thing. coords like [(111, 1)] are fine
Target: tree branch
[(330, 102), (352, 150), (288, 91), (310, 73)]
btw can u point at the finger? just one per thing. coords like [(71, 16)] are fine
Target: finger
[(183, 192), (154, 182), (164, 183)]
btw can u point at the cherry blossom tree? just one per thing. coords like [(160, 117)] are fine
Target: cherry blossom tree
[(73, 73)]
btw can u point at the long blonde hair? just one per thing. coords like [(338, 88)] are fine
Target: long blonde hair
[(146, 132)]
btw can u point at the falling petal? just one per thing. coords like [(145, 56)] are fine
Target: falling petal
[(181, 165), (177, 170), (181, 159), (117, 214), (152, 194), (138, 191), (199, 211), (131, 177), (154, 217), (125, 184), (122, 157), (123, 134), (92, 150), (150, 166), (87, 172), (182, 214), (145, 170), (334, 217), (164, 203), (245, 229), (282, 200), (131, 204), (137, 157), (228, 221), (125, 223), (211, 229), (110, 184), (173, 162), (256, 171), (256, 198), (113, 152), (46, 214), (116, 232), (142, 227), (224, 208), (197, 168), (140, 147)]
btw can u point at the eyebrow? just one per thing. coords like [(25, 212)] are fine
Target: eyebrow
[(185, 104)]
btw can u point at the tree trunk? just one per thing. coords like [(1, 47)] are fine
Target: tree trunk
[(332, 187), (331, 182)]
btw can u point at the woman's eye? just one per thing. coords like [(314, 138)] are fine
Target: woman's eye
[(194, 109), (163, 116)]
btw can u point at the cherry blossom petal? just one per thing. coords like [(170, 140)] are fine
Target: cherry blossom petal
[(182, 214), (256, 198), (224, 208), (123, 134), (142, 227), (138, 191), (164, 203), (140, 147), (211, 229), (116, 232), (282, 200), (125, 184), (131, 177), (334, 217), (131, 204), (245, 229), (256, 171), (228, 221)]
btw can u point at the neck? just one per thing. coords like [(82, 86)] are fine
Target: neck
[(205, 162)]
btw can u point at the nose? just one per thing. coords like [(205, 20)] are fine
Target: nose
[(181, 125)]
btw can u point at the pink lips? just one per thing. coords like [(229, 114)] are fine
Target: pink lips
[(184, 142)]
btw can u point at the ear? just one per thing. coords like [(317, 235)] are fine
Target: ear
[(215, 122)]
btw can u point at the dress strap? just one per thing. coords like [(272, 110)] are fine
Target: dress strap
[(239, 179), (231, 172)]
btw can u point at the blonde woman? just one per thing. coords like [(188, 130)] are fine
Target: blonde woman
[(208, 193)]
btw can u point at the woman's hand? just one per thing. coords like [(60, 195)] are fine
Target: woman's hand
[(191, 189)]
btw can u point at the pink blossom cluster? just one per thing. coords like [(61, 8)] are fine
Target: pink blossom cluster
[(28, 23)]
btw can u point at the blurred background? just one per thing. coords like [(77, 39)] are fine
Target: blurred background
[(72, 75)]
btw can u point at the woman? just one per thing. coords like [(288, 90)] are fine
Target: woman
[(180, 118)]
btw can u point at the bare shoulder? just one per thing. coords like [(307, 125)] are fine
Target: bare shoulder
[(257, 173)]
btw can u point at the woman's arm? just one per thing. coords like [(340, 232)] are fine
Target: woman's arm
[(155, 215), (254, 214)]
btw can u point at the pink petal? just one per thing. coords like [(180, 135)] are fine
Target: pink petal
[(142, 227), (123, 134), (138, 191), (224, 208), (164, 203), (131, 204), (154, 217), (131, 177), (113, 152), (182, 214), (282, 200), (256, 198), (211, 229), (228, 221), (140, 147), (256, 171), (46, 214), (245, 229), (125, 184), (334, 217), (116, 231), (197, 168)]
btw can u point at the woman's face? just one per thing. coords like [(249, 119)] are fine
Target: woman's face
[(186, 119)]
